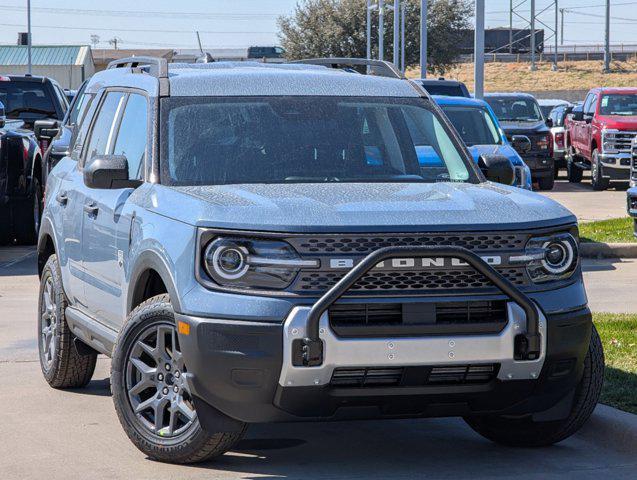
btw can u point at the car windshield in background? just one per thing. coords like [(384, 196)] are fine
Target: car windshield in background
[(618, 105), (219, 141), (474, 125), (513, 109), (25, 100), (546, 110)]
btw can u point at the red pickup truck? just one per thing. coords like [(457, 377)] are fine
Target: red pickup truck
[(599, 135)]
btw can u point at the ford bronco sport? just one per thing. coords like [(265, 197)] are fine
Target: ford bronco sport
[(258, 243)]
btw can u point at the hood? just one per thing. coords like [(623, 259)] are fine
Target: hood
[(334, 207), (12, 124), (514, 128), (618, 122), (505, 150)]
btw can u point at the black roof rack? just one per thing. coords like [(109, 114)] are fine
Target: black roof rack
[(379, 68), (155, 66)]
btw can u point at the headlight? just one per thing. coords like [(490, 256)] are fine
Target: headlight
[(552, 258), (543, 142), (252, 263)]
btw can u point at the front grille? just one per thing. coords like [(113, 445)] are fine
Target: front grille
[(417, 318), (414, 376), (367, 244), (618, 141), (408, 281)]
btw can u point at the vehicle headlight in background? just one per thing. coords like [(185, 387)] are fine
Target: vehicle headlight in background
[(252, 263), (552, 257)]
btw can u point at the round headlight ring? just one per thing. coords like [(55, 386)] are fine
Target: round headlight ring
[(567, 258), (228, 261)]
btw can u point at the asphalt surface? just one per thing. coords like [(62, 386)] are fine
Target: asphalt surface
[(76, 434)]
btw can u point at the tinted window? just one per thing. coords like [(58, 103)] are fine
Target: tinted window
[(212, 141), (618, 105), (587, 103), (447, 90), (26, 100), (102, 133), (590, 109), (131, 139), (515, 109), (474, 125)]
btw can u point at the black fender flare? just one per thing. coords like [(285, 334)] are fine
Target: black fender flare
[(151, 260), (46, 230)]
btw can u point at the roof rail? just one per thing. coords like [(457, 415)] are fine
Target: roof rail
[(156, 66), (379, 68)]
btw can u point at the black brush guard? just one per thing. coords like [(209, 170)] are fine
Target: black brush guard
[(309, 350)]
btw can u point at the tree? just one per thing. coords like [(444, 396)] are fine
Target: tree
[(336, 28)]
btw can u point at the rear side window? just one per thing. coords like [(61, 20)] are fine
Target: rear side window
[(132, 135), (102, 135)]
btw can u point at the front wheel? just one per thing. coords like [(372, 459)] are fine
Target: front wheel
[(546, 183), (573, 172), (597, 173), (524, 432), (151, 395)]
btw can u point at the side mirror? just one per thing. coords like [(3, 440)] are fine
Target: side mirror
[(108, 172), (3, 115), (549, 122), (578, 115), (497, 168), (521, 143), (46, 129), (588, 118)]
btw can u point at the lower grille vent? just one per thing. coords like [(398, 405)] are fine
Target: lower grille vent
[(414, 376)]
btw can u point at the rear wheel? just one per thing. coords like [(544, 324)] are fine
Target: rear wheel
[(524, 432), (151, 395), (27, 218), (597, 173), (546, 183), (573, 172)]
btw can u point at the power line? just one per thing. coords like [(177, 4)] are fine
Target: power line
[(134, 30)]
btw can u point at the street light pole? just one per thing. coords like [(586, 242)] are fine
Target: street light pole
[(511, 27), (533, 67), (381, 29), (397, 32), (478, 51), (29, 36), (607, 39), (555, 39), (423, 38), (562, 26), (403, 67), (369, 29)]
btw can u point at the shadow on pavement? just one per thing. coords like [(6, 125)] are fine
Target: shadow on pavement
[(100, 388), (18, 261)]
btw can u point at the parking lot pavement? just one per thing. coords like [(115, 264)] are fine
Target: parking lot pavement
[(587, 204), (75, 434)]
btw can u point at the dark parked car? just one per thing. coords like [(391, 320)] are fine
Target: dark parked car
[(444, 87), (525, 127), (29, 103)]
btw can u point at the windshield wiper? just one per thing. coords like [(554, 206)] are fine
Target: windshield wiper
[(17, 111)]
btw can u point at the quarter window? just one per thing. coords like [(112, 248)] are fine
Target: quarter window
[(131, 139), (103, 132)]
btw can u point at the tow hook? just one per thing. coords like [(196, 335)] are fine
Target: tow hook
[(307, 352)]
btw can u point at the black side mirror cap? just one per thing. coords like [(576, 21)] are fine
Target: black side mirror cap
[(46, 129), (578, 115), (497, 168), (549, 122), (108, 172), (521, 143)]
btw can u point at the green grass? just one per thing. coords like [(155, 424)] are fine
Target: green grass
[(619, 337), (615, 230)]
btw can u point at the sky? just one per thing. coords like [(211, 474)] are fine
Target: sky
[(242, 23)]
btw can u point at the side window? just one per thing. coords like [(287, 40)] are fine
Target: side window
[(131, 138), (591, 107), (100, 141), (587, 103), (77, 141)]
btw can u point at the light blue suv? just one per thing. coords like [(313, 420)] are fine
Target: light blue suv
[(259, 243)]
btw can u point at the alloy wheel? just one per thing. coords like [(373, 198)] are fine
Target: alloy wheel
[(157, 390), (49, 324)]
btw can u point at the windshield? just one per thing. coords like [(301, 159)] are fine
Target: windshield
[(26, 100), (444, 89), (514, 109), (218, 141), (475, 125), (618, 104)]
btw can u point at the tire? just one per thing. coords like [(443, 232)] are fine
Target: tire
[(597, 171), (27, 218), (546, 183), (556, 172), (61, 363), (573, 172), (140, 381), (523, 432)]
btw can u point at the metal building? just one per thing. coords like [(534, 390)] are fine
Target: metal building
[(70, 65)]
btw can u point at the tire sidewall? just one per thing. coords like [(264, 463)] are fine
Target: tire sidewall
[(51, 270)]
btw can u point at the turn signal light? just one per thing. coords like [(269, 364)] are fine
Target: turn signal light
[(183, 328)]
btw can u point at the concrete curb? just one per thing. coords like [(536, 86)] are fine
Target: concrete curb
[(608, 250)]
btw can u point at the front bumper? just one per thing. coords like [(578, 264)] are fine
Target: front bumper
[(616, 166), (541, 165)]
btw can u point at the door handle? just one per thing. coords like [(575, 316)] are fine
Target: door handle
[(91, 208), (62, 198)]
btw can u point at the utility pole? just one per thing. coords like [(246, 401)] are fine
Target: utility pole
[(369, 29), (511, 27), (423, 38), (403, 67), (397, 32), (478, 51), (533, 66), (554, 68), (607, 39), (381, 29), (30, 65), (562, 26)]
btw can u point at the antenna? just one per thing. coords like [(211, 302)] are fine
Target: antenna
[(199, 42)]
